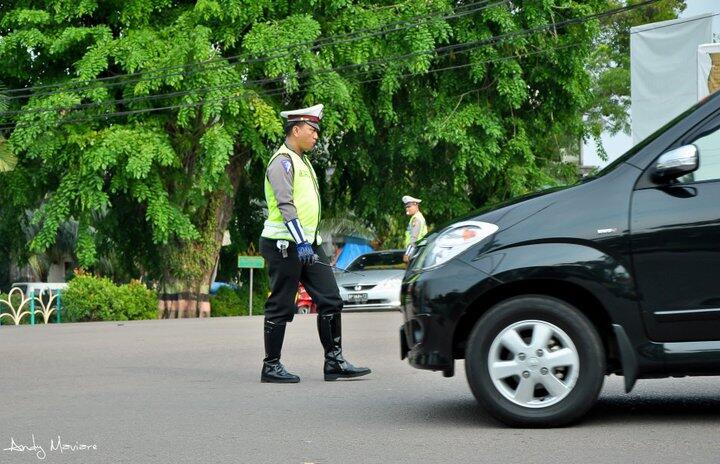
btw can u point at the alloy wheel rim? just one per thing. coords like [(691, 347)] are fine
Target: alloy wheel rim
[(533, 363)]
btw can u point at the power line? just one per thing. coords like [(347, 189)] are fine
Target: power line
[(267, 93), (458, 48), (236, 59), (490, 40), (278, 91), (451, 47), (233, 86), (675, 23), (273, 92)]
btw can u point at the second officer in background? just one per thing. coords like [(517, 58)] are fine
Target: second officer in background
[(416, 229)]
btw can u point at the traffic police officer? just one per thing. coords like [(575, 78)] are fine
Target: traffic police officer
[(416, 228), (290, 244)]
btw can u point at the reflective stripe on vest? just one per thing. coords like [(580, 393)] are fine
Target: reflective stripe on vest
[(423, 228), (306, 197)]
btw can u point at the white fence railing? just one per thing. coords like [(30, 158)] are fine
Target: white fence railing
[(30, 306)]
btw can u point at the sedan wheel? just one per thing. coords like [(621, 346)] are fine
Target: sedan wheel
[(535, 361)]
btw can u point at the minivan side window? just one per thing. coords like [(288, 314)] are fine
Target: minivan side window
[(709, 151)]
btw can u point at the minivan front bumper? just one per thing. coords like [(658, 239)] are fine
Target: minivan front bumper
[(420, 350), (433, 301)]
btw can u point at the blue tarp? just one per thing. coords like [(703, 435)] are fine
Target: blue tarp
[(353, 248)]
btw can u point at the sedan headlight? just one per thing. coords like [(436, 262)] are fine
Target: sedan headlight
[(453, 241)]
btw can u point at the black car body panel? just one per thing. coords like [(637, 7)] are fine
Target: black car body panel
[(646, 253)]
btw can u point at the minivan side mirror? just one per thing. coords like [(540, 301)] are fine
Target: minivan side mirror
[(676, 163)]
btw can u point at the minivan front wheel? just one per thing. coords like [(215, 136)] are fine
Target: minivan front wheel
[(535, 361)]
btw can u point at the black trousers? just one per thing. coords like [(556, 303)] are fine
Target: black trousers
[(287, 273)]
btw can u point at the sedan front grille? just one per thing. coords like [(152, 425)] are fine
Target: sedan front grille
[(358, 288)]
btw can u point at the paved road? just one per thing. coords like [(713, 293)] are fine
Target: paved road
[(188, 391)]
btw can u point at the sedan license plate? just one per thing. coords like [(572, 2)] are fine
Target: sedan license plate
[(357, 297)]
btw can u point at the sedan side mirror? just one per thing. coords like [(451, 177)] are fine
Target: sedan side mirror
[(676, 163)]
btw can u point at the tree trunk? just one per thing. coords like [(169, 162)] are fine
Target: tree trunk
[(190, 265)]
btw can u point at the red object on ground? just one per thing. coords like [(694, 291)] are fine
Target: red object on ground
[(304, 302)]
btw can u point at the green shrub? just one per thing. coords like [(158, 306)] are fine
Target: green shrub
[(90, 298), (261, 290), (260, 294), (134, 301), (15, 301), (227, 302)]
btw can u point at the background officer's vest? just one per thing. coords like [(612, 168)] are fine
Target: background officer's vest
[(423, 228), (306, 197)]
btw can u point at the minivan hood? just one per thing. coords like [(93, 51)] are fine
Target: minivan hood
[(510, 213), (595, 212)]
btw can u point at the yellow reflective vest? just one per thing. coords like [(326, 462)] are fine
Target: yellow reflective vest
[(306, 197), (423, 228)]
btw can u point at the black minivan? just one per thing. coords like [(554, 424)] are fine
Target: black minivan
[(546, 295)]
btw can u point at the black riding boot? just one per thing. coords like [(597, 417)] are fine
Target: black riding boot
[(336, 367), (273, 371)]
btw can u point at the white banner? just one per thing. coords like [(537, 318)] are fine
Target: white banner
[(664, 70)]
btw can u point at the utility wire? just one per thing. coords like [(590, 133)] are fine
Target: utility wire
[(457, 48), (233, 86), (674, 23), (451, 47), (272, 92), (224, 62)]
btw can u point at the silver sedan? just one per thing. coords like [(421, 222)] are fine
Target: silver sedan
[(373, 281)]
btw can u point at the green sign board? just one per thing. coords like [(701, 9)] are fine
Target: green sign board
[(250, 262)]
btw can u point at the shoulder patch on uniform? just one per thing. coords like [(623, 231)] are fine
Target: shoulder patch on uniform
[(286, 164)]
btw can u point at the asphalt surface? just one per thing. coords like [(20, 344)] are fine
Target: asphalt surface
[(188, 391)]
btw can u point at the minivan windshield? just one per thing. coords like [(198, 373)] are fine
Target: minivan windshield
[(630, 153), (390, 260)]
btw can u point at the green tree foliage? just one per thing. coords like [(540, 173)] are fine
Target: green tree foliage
[(609, 107), (453, 102), (481, 133), (7, 159)]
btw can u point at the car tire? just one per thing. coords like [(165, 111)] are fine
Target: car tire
[(303, 310), (547, 386)]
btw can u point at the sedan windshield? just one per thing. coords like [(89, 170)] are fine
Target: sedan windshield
[(369, 261)]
